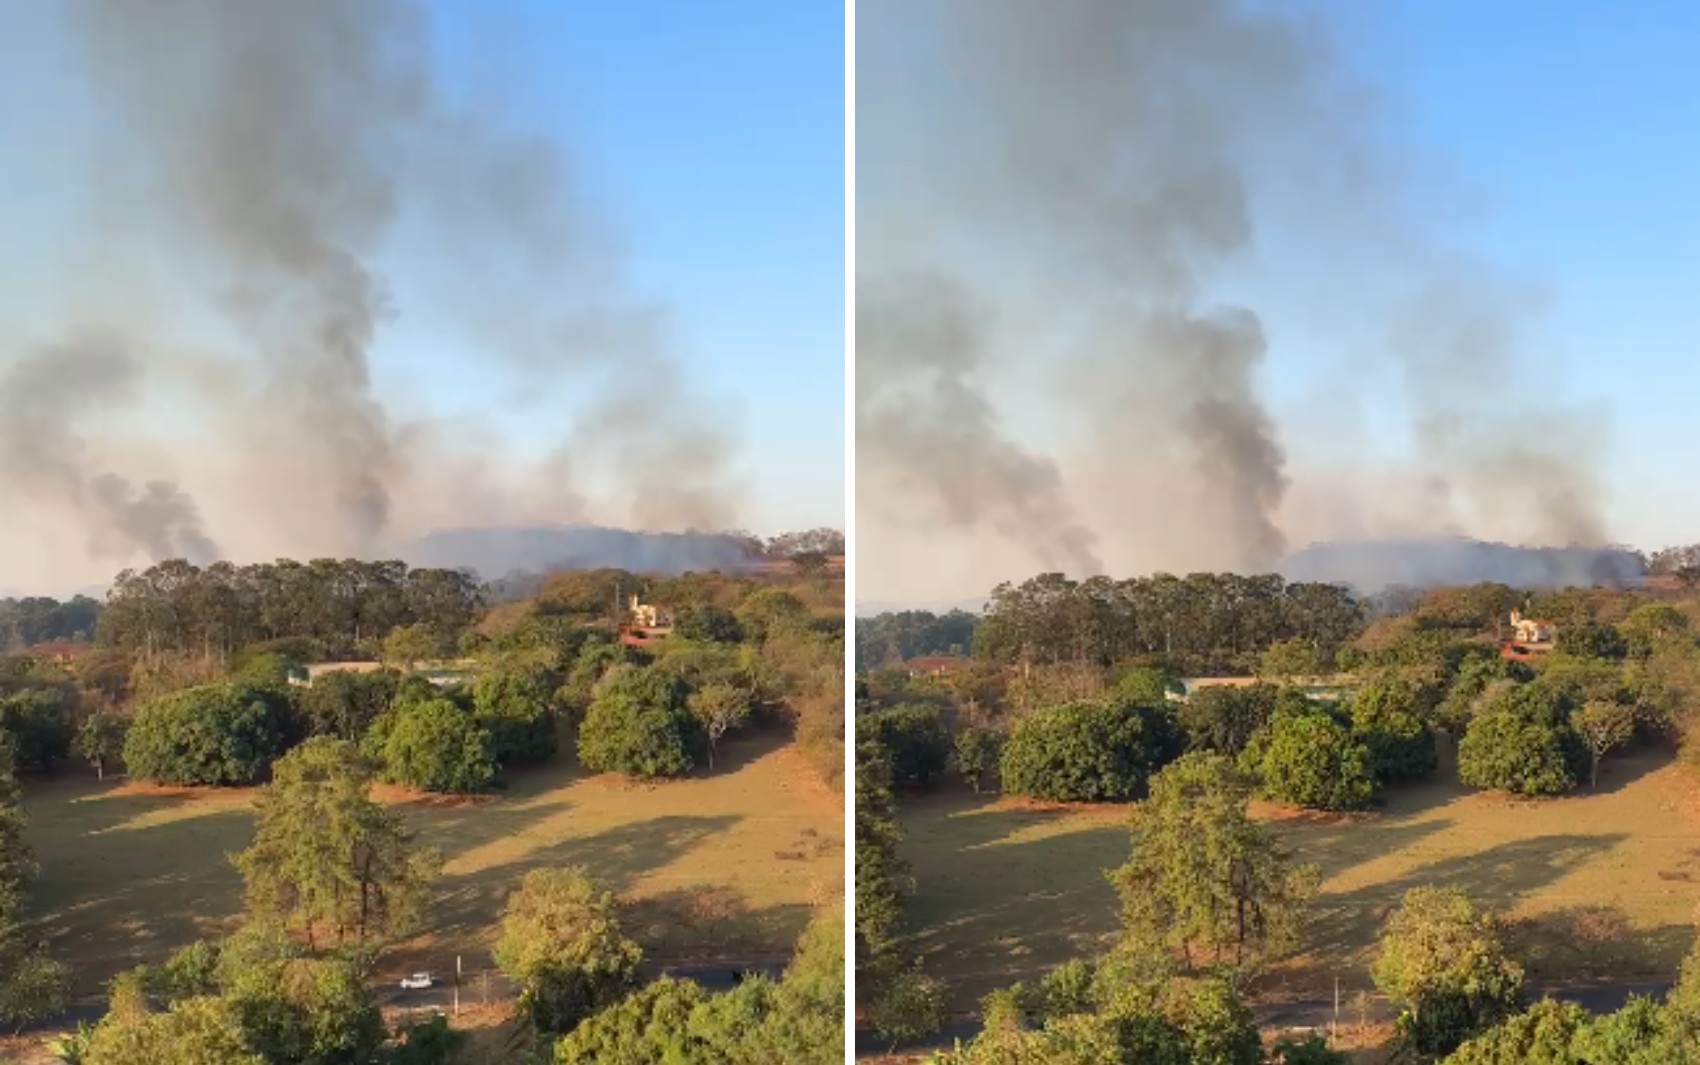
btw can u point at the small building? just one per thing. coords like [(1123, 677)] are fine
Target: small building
[(934, 665), (1531, 630), (648, 616)]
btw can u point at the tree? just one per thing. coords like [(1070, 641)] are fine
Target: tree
[(1548, 1034), (638, 724), (977, 753), (1443, 962), (1224, 719), (100, 739), (1311, 760), (1086, 752), (1205, 880), (770, 611), (432, 743), (718, 708), (1390, 717), (515, 705), (1523, 742), (654, 1024), (325, 857), (561, 942), (32, 985), (882, 876), (1651, 626), (39, 721), (1606, 725), (213, 734), (197, 1031), (409, 645), (908, 1006), (915, 738), (344, 703), (1290, 658), (1590, 640), (712, 624)]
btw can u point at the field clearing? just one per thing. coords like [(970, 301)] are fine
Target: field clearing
[(728, 864), (1599, 886)]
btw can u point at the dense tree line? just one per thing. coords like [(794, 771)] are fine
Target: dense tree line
[(888, 639), (1201, 623), (340, 608), (38, 619)]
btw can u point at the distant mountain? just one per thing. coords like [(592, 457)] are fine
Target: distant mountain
[(889, 606), (496, 553), (1370, 566)]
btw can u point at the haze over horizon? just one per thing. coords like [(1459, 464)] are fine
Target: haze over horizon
[(318, 279), (1184, 286)]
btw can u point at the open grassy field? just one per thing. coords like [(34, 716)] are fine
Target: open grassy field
[(1601, 885), (721, 864)]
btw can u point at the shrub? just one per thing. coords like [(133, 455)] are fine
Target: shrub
[(977, 752), (1311, 760), (914, 736), (638, 724), (1443, 961), (1086, 752), (215, 734), (344, 703), (1388, 717), (1523, 742), (39, 720), (433, 744)]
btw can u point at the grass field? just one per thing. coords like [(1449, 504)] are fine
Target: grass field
[(1601, 885), (721, 864)]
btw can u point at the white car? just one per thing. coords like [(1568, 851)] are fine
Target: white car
[(416, 981)]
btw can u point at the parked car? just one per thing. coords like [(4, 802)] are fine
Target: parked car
[(416, 981)]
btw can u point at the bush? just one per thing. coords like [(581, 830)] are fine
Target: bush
[(1523, 742), (1087, 752), (1311, 760), (433, 744), (638, 724), (344, 703), (713, 624), (914, 736), (1443, 961), (516, 706), (216, 734)]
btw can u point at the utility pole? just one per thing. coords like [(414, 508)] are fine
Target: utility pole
[(457, 987)]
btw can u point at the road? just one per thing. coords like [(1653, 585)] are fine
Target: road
[(1301, 1015)]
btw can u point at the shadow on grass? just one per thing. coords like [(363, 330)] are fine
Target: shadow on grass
[(469, 905), (122, 898)]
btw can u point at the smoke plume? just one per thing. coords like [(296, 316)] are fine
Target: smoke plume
[(259, 165), (1074, 192)]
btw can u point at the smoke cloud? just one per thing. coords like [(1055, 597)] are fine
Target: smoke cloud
[(1075, 195), (259, 164)]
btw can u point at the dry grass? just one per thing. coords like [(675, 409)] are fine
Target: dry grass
[(1599, 885), (716, 864)]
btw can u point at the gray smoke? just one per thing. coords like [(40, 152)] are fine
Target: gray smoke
[(922, 420), (265, 158), (46, 401), (1097, 172)]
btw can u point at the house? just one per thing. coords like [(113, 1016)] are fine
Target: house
[(648, 616), (1531, 630), (934, 665)]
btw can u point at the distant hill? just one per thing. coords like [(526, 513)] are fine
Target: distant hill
[(874, 608), (495, 553), (1370, 566)]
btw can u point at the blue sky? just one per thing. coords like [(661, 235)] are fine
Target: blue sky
[(1570, 126), (710, 136)]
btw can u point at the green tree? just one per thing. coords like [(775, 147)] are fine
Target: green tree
[(1311, 760), (39, 721), (1390, 717), (915, 737), (515, 705), (719, 708), (909, 1005), (100, 739), (214, 734), (1605, 725), (977, 753), (1224, 719), (325, 857), (713, 624), (197, 1031), (432, 743), (1291, 658), (1086, 752), (407, 646), (561, 942), (1205, 880), (882, 876), (768, 612), (1547, 1034), (32, 985), (1590, 640), (1522, 741), (1443, 962), (344, 703), (638, 724)]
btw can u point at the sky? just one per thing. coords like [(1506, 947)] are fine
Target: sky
[(1542, 146), (708, 140)]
